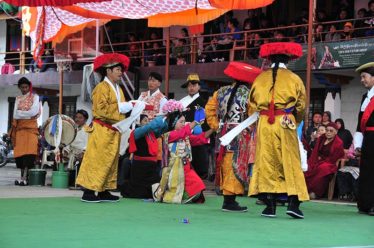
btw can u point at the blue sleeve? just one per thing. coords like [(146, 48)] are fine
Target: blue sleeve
[(157, 126)]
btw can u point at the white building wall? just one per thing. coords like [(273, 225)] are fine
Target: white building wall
[(5, 92), (333, 105), (350, 103), (2, 41)]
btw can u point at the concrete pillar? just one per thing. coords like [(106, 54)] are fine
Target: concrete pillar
[(2, 41), (333, 104)]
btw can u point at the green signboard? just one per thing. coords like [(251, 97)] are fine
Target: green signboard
[(334, 55)]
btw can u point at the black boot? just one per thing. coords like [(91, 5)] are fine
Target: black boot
[(89, 196), (293, 207), (105, 196), (270, 201), (230, 205)]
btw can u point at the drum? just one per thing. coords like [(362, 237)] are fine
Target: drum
[(59, 130)]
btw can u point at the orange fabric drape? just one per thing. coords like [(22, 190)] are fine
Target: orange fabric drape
[(185, 18), (240, 4)]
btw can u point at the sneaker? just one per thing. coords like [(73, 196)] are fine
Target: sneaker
[(105, 196), (23, 183), (90, 197), (233, 207), (16, 182), (295, 213)]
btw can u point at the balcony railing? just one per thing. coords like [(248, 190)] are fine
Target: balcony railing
[(243, 45)]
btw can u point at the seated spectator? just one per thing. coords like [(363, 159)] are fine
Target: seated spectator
[(370, 22), (319, 33), (185, 35), (211, 53), (227, 40), (312, 129), (326, 118), (294, 33), (134, 55), (344, 134), (320, 131), (321, 16), (332, 34), (180, 49), (348, 31), (347, 177), (157, 54), (360, 25), (251, 22), (342, 16), (322, 163), (48, 63), (254, 45)]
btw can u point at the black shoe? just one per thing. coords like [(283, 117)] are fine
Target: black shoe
[(371, 211), (233, 207), (90, 197), (269, 212), (105, 196), (16, 182), (270, 203), (293, 208)]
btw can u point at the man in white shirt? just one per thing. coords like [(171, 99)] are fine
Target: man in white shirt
[(364, 141), (24, 131), (153, 96)]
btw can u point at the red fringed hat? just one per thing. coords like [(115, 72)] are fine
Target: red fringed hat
[(292, 49), (111, 59), (242, 72)]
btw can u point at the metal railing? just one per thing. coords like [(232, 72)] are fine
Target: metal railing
[(197, 48)]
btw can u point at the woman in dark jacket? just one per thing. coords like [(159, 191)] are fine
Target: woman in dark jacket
[(344, 134)]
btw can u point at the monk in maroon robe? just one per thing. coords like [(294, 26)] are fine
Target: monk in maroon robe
[(322, 163)]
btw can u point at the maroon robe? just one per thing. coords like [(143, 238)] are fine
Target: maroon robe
[(322, 164)]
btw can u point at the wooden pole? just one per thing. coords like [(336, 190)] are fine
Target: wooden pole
[(309, 59), (167, 62), (22, 53), (61, 73)]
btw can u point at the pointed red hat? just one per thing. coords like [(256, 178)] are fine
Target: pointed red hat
[(292, 49), (242, 72), (111, 59)]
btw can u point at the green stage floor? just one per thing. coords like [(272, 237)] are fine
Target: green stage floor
[(68, 223)]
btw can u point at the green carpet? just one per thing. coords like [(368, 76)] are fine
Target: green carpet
[(69, 223)]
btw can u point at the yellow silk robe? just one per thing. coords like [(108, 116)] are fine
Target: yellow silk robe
[(277, 167), (229, 184), (99, 167)]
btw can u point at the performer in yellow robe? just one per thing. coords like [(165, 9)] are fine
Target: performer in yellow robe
[(279, 96), (224, 111), (98, 171)]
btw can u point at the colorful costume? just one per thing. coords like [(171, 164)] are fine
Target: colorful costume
[(179, 181), (279, 96), (144, 172), (364, 140), (322, 164), (224, 111), (98, 171)]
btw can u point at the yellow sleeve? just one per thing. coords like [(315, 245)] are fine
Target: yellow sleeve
[(211, 109), (300, 102), (105, 105)]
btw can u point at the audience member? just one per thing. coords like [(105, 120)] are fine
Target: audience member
[(344, 134), (348, 31), (332, 34), (326, 118), (312, 129), (322, 163)]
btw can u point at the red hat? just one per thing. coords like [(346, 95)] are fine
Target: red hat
[(111, 59), (242, 72), (333, 125), (292, 49)]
